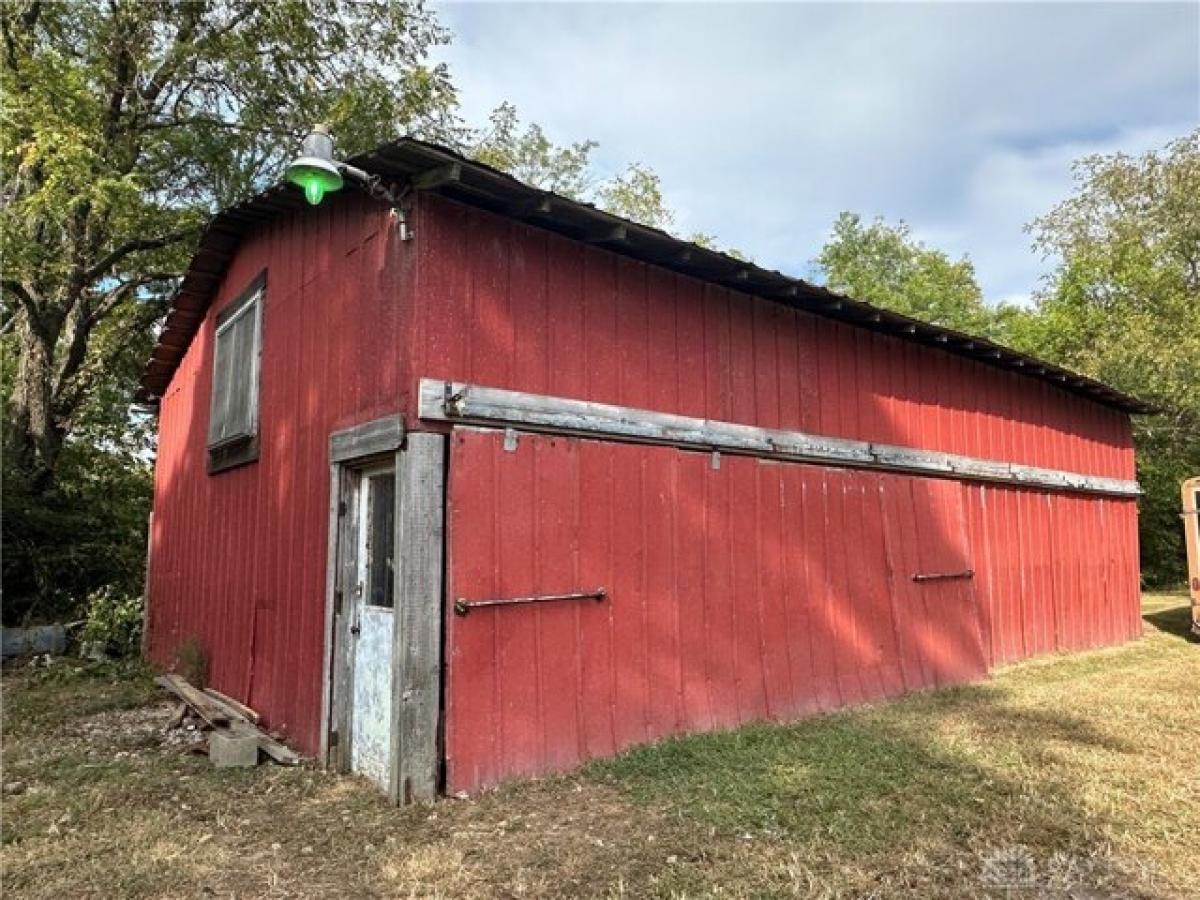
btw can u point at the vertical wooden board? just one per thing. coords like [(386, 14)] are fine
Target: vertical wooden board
[(806, 339), (690, 383), (1062, 572), (599, 517), (720, 598), (841, 611), (877, 588), (418, 636), (899, 541), (446, 280), (717, 356), (868, 401), (828, 379), (787, 348), (517, 557), (918, 431), (799, 591), (850, 400), (629, 597), (983, 554), (824, 637), (962, 607), (741, 364), (556, 503), (748, 674), (662, 637), (633, 332), (776, 662), (565, 372), (662, 364), (1029, 587), (859, 602), (960, 411), (691, 515), (765, 362), (492, 339), (601, 316), (1013, 566), (529, 303), (471, 713), (1133, 590), (929, 555)]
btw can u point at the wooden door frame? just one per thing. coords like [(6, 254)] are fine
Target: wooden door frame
[(419, 461)]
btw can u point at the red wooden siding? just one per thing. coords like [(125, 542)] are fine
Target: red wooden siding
[(1054, 571), (758, 590), (238, 558), (506, 305)]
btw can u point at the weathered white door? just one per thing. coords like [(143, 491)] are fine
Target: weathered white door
[(371, 626)]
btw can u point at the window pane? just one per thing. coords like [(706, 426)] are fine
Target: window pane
[(220, 387), (235, 376), (381, 542)]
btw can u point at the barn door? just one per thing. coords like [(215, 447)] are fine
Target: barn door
[(364, 623), (371, 629), (385, 607), (933, 581)]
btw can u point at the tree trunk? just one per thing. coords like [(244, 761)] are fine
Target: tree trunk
[(35, 437)]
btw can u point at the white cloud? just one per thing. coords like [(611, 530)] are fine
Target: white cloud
[(765, 121)]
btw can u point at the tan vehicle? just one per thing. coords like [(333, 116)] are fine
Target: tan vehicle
[(1191, 536)]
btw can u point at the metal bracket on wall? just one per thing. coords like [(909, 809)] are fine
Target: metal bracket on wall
[(944, 576), (463, 606)]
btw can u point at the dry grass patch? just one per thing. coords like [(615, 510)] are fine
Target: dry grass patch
[(1085, 762)]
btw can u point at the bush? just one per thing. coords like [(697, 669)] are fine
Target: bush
[(114, 622)]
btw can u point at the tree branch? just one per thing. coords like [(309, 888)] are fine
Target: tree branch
[(109, 260)]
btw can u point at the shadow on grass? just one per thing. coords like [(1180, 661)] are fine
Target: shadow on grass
[(1175, 620), (941, 776)]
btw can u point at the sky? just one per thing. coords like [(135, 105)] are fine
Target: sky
[(765, 121)]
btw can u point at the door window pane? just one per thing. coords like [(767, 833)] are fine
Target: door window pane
[(381, 499)]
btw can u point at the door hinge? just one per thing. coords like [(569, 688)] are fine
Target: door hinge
[(334, 738), (341, 508), (337, 602)]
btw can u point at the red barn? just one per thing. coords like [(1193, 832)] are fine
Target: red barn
[(483, 483)]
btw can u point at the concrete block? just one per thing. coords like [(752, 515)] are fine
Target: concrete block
[(227, 749)]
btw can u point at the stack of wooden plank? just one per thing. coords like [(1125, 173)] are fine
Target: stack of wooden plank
[(220, 712)]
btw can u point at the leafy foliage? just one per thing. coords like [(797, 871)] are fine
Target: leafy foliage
[(884, 264), (568, 170), (114, 622), (1124, 306), (87, 529)]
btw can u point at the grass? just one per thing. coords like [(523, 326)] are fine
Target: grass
[(1082, 767)]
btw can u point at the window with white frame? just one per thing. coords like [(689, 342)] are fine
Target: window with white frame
[(233, 411)]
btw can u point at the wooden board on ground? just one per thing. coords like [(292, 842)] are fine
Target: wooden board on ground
[(226, 714)]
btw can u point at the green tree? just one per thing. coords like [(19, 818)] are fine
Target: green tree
[(1123, 305), (126, 123), (635, 192), (885, 265)]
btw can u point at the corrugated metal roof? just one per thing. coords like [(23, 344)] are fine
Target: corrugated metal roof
[(443, 171)]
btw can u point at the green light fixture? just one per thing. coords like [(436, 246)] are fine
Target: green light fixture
[(314, 170)]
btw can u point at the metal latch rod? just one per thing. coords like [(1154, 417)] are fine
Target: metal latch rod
[(944, 576), (462, 606)]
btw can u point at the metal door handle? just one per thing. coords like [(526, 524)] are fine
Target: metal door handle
[(354, 630)]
